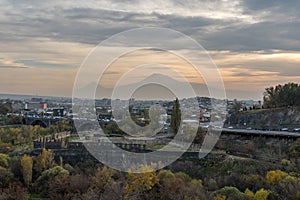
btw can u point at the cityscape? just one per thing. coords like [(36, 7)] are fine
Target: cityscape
[(249, 133), (163, 100)]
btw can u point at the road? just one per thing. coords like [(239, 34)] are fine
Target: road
[(260, 132)]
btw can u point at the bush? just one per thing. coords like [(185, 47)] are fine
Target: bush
[(230, 193)]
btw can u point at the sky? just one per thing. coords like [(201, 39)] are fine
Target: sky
[(255, 44)]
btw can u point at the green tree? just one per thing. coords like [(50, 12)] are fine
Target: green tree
[(4, 159), (236, 107), (6, 177), (294, 150), (230, 193), (5, 109), (176, 116), (282, 95), (43, 182), (164, 174)]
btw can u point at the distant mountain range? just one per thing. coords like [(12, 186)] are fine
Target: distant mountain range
[(149, 88), (150, 91)]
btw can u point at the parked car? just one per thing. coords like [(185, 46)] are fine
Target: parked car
[(284, 129), (296, 129)]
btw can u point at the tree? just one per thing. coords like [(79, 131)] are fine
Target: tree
[(15, 167), (183, 176), (230, 193), (289, 187), (26, 163), (69, 187), (4, 159), (220, 197), (282, 95), (249, 193), (200, 135), (173, 188), (44, 161), (164, 174), (14, 191), (261, 195), (275, 176), (176, 116), (43, 182), (138, 184), (64, 126), (6, 177), (236, 107), (294, 150), (103, 178), (4, 109)]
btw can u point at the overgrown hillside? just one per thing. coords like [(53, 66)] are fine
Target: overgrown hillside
[(273, 119)]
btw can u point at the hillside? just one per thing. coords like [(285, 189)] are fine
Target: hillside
[(273, 119)]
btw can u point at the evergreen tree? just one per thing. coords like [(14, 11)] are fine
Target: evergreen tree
[(176, 116)]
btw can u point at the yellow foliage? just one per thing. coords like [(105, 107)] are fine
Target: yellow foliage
[(285, 162), (140, 182), (26, 163), (275, 176), (197, 183), (249, 193), (44, 161), (261, 195), (220, 197)]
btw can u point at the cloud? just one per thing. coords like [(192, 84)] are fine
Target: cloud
[(259, 40), (10, 67), (10, 64)]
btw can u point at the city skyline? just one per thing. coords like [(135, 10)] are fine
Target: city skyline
[(254, 44)]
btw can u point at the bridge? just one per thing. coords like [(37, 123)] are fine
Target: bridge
[(279, 134), (48, 121), (42, 121)]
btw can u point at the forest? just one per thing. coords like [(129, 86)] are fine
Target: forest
[(218, 176)]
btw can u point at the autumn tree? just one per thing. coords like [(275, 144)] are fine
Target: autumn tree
[(229, 193), (275, 176), (14, 191), (261, 195), (26, 163), (249, 193), (4, 159), (69, 187), (103, 178), (44, 161), (138, 184), (173, 188), (180, 186)]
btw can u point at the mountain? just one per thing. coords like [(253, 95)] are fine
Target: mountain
[(150, 88)]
